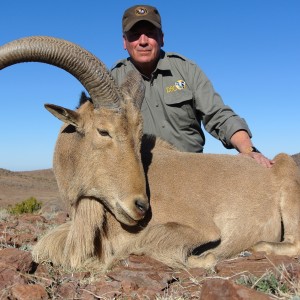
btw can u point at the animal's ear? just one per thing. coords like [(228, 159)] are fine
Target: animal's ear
[(133, 88), (83, 98), (64, 114)]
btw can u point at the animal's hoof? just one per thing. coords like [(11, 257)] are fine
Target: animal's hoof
[(206, 261)]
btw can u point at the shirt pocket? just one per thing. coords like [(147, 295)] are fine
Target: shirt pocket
[(179, 107)]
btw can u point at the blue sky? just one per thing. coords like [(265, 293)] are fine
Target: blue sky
[(249, 49)]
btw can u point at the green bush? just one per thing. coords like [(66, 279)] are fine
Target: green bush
[(29, 205), (268, 283)]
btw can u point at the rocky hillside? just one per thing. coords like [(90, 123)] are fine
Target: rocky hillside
[(18, 186)]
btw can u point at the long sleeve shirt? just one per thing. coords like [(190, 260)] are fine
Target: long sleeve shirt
[(179, 99)]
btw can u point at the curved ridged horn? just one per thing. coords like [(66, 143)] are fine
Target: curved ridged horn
[(83, 65)]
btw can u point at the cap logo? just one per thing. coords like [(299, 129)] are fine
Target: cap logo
[(141, 11)]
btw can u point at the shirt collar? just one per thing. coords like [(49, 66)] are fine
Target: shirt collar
[(163, 63)]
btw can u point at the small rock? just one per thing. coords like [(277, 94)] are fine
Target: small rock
[(104, 289), (227, 290), (68, 291), (16, 259), (256, 264), (9, 277), (31, 218), (29, 292)]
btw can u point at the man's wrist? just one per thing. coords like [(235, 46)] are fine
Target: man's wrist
[(251, 149)]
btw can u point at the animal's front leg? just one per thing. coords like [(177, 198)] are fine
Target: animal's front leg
[(206, 261), (173, 244)]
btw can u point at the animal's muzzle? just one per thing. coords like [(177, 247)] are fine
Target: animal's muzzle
[(141, 206), (132, 210)]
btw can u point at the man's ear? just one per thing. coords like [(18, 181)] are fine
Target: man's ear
[(124, 42), (162, 39)]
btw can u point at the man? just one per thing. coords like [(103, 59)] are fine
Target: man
[(179, 97)]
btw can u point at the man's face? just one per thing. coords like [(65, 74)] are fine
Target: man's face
[(143, 43)]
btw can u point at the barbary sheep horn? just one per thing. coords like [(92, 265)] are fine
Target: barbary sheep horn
[(83, 65)]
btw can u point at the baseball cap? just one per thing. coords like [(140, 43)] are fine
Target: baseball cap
[(137, 13)]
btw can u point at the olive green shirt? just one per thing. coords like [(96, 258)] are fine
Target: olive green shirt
[(178, 99)]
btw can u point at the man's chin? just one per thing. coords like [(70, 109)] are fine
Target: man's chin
[(144, 59)]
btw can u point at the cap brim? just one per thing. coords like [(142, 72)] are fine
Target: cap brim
[(133, 22)]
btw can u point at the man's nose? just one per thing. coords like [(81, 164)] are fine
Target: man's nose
[(143, 39)]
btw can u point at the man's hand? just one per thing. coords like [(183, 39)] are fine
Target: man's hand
[(260, 158), (242, 142)]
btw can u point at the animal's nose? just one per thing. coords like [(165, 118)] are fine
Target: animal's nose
[(142, 205)]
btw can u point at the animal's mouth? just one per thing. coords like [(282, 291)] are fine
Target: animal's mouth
[(124, 217)]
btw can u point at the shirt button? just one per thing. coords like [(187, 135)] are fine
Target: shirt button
[(156, 105)]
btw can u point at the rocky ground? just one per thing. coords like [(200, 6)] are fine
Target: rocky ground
[(248, 276)]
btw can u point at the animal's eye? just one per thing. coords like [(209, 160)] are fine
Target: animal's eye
[(104, 132)]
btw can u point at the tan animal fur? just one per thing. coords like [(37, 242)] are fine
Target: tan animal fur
[(203, 207)]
